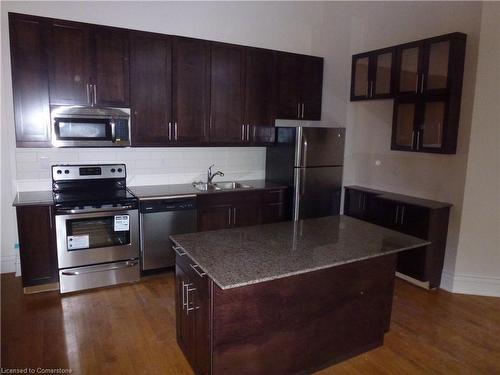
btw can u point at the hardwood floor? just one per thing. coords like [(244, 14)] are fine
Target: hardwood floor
[(130, 329)]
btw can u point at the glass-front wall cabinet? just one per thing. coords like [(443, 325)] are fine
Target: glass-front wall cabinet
[(361, 67), (436, 77)]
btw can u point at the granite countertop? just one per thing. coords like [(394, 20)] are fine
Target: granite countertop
[(31, 198), (402, 198), (248, 255), (154, 191)]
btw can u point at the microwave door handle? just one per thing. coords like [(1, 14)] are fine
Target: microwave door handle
[(113, 131)]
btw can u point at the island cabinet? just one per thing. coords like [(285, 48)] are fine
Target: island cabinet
[(37, 245), (296, 324), (414, 216), (300, 86), (238, 209)]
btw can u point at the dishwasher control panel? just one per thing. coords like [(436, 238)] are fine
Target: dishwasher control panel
[(167, 204)]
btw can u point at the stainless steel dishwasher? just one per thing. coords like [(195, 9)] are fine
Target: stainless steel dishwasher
[(160, 218)]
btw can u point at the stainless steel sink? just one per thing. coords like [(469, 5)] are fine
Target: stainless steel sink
[(203, 186), (231, 185)]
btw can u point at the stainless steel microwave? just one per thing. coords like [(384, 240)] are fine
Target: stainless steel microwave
[(77, 126)]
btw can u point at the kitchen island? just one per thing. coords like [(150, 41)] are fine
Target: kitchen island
[(284, 298)]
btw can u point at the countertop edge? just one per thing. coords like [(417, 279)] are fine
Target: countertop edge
[(270, 278)]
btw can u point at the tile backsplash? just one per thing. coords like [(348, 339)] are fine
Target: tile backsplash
[(145, 166)]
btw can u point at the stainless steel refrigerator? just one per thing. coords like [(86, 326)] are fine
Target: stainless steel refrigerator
[(310, 161)]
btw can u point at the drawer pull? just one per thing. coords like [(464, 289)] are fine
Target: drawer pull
[(178, 250), (196, 268)]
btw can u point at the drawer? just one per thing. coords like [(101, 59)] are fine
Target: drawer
[(274, 196), (189, 267)]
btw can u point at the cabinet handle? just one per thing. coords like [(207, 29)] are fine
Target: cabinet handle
[(229, 219), (422, 84), (418, 140), (242, 132), (178, 250), (416, 84), (364, 202), (412, 139), (175, 130), (50, 218), (402, 214), (303, 108), (195, 269), (248, 132), (360, 206), (188, 303), (169, 131), (88, 94), (184, 303), (95, 94), (371, 88), (234, 216), (397, 215), (298, 110)]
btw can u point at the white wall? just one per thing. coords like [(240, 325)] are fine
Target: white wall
[(281, 26), (477, 268)]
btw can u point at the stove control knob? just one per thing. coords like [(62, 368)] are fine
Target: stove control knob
[(120, 170), (59, 171), (113, 170), (66, 171)]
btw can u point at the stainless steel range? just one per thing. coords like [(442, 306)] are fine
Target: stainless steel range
[(97, 226)]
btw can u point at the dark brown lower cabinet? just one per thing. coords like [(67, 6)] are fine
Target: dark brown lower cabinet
[(292, 325), (37, 245), (414, 216), (238, 209)]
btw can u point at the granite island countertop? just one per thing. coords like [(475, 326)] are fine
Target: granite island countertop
[(248, 255)]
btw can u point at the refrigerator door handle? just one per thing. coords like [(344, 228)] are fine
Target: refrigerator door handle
[(297, 193)]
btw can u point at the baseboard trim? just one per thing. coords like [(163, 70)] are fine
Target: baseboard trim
[(41, 288), (8, 264), (411, 280), (471, 284)]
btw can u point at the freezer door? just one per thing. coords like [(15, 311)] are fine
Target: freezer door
[(317, 147), (317, 192)]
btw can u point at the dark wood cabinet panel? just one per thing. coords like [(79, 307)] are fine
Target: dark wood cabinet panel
[(247, 213), (289, 86), (214, 217), (37, 246), (190, 90), (424, 264), (151, 76), (274, 212), (28, 45), (312, 87), (260, 95), (111, 77), (227, 93), (70, 60)]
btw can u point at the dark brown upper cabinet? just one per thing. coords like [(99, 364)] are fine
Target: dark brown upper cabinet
[(227, 90), (190, 91), (151, 93), (300, 86), (260, 96), (89, 65), (372, 75), (30, 83)]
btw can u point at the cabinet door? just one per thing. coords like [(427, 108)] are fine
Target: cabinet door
[(215, 217), (354, 201), (360, 77), (201, 316), (28, 37), (245, 214), (37, 247), (111, 73), (403, 125), (436, 66), (414, 220), (409, 68), (289, 86), (150, 89), (190, 90), (227, 93), (382, 85), (312, 87), (274, 212), (260, 95), (185, 322), (70, 64), (431, 125)]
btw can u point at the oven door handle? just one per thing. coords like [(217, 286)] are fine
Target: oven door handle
[(90, 210), (128, 264)]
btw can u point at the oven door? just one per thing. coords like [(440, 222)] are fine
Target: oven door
[(74, 131), (98, 237)]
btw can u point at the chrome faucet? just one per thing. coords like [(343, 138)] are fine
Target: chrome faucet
[(210, 176)]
